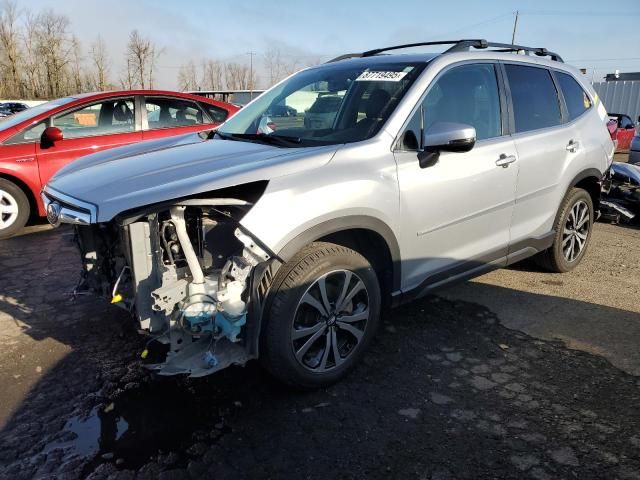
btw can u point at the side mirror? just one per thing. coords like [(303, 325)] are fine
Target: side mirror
[(51, 135), (445, 137)]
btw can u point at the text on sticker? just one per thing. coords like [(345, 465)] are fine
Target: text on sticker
[(381, 76)]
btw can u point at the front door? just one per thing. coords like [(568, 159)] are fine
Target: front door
[(88, 129), (456, 214)]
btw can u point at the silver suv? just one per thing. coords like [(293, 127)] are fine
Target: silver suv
[(287, 244)]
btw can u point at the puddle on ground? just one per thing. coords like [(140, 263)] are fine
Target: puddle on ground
[(166, 415), (89, 433)]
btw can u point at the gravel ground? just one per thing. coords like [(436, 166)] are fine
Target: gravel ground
[(446, 391)]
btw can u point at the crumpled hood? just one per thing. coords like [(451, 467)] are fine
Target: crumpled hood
[(155, 171)]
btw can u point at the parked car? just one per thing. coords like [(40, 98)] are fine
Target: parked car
[(37, 142), (634, 148), (322, 112), (624, 131), (286, 246), (283, 111), (9, 108)]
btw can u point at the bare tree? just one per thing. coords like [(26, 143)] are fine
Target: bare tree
[(77, 79), (54, 46), (238, 76), (212, 74), (32, 64), (274, 65), (141, 56), (188, 77), (100, 61), (10, 50)]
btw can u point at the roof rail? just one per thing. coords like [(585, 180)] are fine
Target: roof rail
[(458, 46)]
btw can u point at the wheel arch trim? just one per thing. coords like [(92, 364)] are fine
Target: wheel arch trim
[(345, 223), (584, 174)]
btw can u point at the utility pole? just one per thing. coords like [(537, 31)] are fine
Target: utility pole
[(251, 54), (515, 26)]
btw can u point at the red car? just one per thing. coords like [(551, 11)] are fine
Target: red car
[(622, 129), (37, 142)]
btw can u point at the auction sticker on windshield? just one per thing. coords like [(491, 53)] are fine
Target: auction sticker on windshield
[(381, 76)]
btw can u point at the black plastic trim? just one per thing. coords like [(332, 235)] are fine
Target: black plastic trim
[(349, 222), (459, 271), (467, 269), (458, 46)]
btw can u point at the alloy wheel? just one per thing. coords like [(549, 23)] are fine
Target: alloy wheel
[(330, 321), (576, 231), (8, 209)]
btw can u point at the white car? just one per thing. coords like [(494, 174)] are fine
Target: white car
[(285, 245)]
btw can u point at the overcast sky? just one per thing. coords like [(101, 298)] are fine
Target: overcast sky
[(587, 33)]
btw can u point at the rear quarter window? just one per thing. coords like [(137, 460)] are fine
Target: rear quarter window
[(575, 97), (218, 115)]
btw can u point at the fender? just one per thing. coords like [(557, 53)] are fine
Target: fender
[(348, 222)]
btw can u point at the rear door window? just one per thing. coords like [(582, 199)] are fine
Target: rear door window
[(535, 99), (575, 97), (164, 112)]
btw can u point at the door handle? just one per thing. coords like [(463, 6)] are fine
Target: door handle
[(505, 160), (573, 146)]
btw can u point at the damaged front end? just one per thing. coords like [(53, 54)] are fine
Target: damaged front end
[(193, 276)]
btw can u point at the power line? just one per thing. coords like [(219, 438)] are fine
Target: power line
[(578, 14)]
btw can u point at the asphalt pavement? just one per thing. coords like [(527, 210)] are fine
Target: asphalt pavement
[(517, 374)]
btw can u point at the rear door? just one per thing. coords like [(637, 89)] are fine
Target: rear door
[(89, 129), (167, 116), (455, 214), (545, 149)]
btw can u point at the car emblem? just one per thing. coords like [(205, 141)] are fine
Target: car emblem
[(53, 213)]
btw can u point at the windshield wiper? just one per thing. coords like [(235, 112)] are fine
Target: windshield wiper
[(283, 140)]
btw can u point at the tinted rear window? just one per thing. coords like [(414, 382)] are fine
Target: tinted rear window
[(535, 99), (218, 115), (575, 97)]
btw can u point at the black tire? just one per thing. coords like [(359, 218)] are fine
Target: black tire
[(11, 194), (554, 258), (327, 264)]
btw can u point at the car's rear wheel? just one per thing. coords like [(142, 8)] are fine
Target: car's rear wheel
[(324, 310), (573, 226), (14, 209)]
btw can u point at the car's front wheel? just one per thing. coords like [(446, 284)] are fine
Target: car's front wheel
[(324, 310), (14, 209), (573, 226)]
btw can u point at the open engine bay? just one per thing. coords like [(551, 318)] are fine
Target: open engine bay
[(190, 273)]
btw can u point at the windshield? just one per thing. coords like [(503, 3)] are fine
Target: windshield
[(334, 103), (20, 117)]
